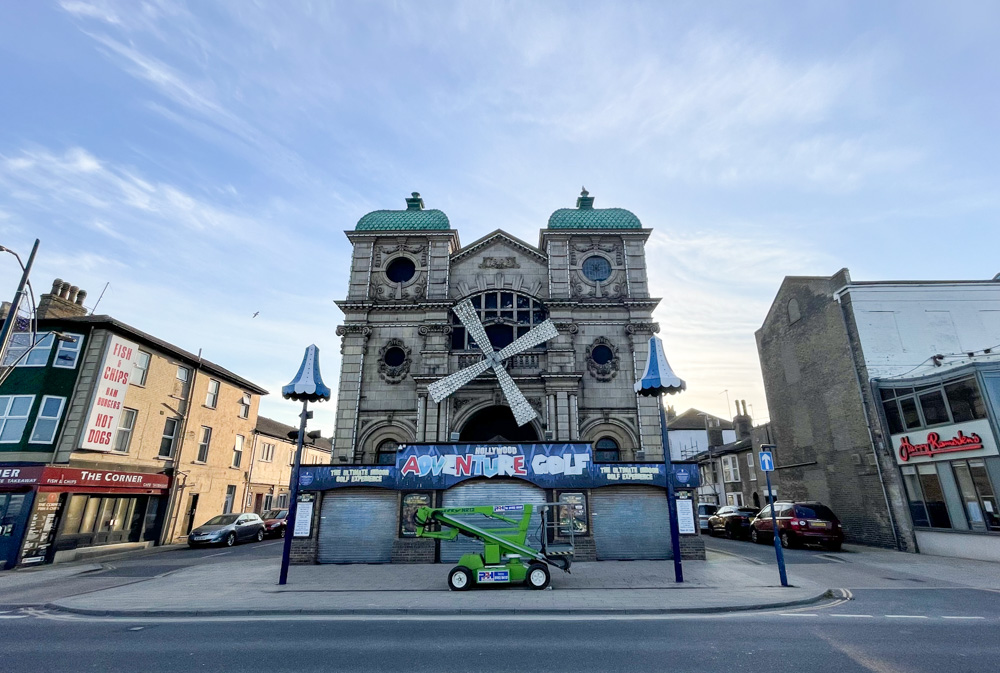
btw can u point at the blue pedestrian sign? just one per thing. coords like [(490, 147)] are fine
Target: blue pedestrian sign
[(766, 461)]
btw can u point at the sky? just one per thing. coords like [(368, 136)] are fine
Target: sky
[(203, 159)]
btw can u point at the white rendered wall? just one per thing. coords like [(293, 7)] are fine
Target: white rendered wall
[(686, 443), (901, 326)]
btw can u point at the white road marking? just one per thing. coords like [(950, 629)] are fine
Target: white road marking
[(906, 616), (845, 615), (797, 614), (13, 616), (221, 553), (960, 617)]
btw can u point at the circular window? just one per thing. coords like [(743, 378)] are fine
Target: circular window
[(400, 269), (596, 268), (602, 355), (394, 356)]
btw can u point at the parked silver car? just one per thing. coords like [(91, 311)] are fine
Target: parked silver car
[(228, 529), (705, 510)]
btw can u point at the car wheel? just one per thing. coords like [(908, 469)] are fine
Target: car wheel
[(754, 536), (459, 578), (786, 540), (729, 533), (538, 576), (231, 539), (260, 535)]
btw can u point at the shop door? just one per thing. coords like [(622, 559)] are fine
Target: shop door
[(357, 525), (630, 522), (490, 492), (14, 510), (191, 513)]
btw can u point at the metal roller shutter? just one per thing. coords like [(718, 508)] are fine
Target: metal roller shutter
[(474, 493), (357, 525), (630, 522)]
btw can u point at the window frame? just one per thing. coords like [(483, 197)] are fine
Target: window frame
[(26, 350), (229, 503), (204, 440), (213, 396), (734, 499), (244, 406), (75, 347), (751, 467), (267, 452), (601, 453), (500, 314), (172, 437), (126, 430), (380, 452), (731, 469), (38, 417), (892, 399), (239, 444), (143, 369), (5, 418)]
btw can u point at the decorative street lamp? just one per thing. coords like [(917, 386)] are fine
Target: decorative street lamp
[(658, 379), (306, 387)]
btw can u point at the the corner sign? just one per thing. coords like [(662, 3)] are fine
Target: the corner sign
[(971, 439)]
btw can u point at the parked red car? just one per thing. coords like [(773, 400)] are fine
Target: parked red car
[(275, 522), (799, 523)]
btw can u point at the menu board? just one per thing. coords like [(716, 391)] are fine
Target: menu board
[(685, 517), (303, 516), (42, 526)]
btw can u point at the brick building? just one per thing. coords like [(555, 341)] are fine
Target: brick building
[(857, 371)]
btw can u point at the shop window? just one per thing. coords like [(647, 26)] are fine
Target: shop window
[(730, 469), (933, 408), (126, 424), (936, 404), (14, 411), (965, 400), (26, 349), (74, 514), (212, 397), (386, 453), (505, 315), (606, 450), (572, 514), (204, 443), (227, 506), (68, 352), (141, 367), (409, 505), (47, 420), (10, 510), (926, 498), (169, 437), (978, 494), (89, 521)]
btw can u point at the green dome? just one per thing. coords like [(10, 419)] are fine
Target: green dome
[(585, 216), (414, 218)]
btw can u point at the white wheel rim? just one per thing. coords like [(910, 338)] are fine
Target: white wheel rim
[(458, 578), (537, 577)]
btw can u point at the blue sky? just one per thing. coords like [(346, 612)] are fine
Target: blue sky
[(204, 158)]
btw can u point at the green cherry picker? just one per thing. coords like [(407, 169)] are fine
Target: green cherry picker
[(506, 559)]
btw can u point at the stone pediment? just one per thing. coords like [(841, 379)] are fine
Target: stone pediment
[(498, 261)]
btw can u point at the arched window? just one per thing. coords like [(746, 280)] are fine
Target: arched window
[(505, 315), (387, 452), (606, 451), (793, 310)]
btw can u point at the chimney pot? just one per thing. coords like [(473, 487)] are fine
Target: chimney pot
[(745, 408), (63, 290), (73, 289), (81, 295), (56, 284)]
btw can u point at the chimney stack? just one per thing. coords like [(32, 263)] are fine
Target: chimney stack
[(742, 423), (64, 301)]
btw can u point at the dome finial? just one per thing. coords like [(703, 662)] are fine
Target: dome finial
[(585, 201), (415, 202)]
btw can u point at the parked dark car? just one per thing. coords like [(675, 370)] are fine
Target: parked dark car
[(228, 529), (799, 523), (731, 521), (705, 510), (275, 522)]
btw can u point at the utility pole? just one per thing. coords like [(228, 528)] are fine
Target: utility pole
[(8, 324)]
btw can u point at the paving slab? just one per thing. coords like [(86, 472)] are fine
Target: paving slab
[(607, 587)]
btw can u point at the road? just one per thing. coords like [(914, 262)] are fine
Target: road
[(135, 569)]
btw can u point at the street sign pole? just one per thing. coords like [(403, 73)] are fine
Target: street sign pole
[(675, 538), (766, 460)]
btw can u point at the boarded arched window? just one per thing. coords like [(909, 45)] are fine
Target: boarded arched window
[(793, 310)]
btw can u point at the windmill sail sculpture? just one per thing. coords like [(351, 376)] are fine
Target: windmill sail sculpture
[(492, 359)]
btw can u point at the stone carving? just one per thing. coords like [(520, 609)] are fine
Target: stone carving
[(642, 328), (607, 370), (393, 373), (499, 263), (570, 327), (383, 251), (363, 330), (436, 328), (459, 402)]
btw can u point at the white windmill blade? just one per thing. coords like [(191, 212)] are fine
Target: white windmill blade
[(442, 388), (470, 318), (523, 412), (540, 333)]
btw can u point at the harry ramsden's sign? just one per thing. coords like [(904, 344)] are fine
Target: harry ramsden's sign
[(441, 466), (936, 445)]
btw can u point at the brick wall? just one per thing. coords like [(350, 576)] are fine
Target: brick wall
[(692, 548), (413, 550)]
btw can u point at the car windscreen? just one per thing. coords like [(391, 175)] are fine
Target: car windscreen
[(815, 512), (276, 514), (747, 511), (707, 509), (221, 520)]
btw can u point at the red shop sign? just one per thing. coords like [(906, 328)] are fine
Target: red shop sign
[(71, 476), (20, 476), (936, 445)]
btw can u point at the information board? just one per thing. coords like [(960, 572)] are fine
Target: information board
[(685, 517)]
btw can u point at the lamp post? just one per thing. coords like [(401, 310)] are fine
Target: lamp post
[(659, 380), (306, 387), (8, 324)]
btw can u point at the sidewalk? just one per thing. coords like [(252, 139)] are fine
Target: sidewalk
[(626, 587)]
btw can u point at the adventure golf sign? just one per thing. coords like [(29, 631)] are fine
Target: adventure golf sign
[(440, 466)]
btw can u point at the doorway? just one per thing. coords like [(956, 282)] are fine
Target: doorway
[(192, 508)]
